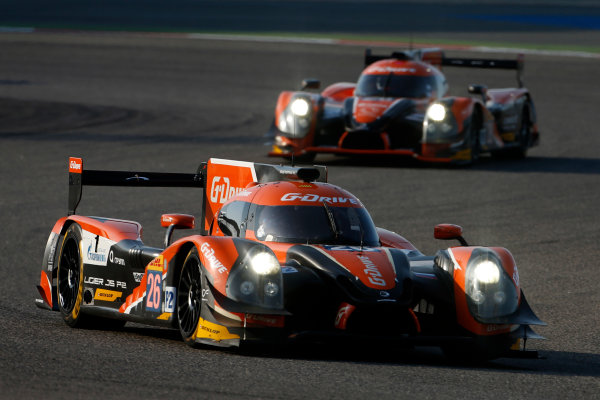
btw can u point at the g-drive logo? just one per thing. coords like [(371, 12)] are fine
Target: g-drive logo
[(74, 165), (221, 192)]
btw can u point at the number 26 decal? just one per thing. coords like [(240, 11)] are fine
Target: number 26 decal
[(153, 290)]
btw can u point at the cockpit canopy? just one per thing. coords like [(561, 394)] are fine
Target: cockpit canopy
[(401, 78), (292, 212)]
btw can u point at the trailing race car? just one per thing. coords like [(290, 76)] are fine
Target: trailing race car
[(281, 255), (401, 106)]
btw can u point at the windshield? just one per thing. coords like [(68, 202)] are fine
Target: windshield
[(322, 224), (391, 85)]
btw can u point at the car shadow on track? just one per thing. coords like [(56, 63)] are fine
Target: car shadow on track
[(548, 362), (566, 165)]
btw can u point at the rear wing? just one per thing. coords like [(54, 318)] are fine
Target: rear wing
[(437, 58), (220, 179)]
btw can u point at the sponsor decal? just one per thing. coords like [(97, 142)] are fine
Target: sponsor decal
[(221, 190), (494, 327), (115, 260), (107, 295), (312, 198), (153, 288), (94, 256), (209, 254), (51, 255), (371, 271), (352, 248), (343, 314), (94, 281), (389, 69), (210, 330), (288, 270), (105, 282), (137, 276), (265, 320), (75, 165), (95, 248), (516, 276), (165, 316), (169, 299)]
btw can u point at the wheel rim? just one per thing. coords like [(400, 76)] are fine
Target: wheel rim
[(189, 297), (68, 277)]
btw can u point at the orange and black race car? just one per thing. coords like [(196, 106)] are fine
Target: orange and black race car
[(401, 106), (281, 255)]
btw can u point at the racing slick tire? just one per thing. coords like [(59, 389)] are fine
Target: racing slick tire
[(473, 135), (523, 140), (69, 286), (189, 297), (524, 136), (69, 277)]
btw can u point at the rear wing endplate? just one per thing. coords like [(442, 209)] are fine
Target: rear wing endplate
[(221, 179)]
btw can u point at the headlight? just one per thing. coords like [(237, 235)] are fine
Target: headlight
[(256, 280), (295, 120), (300, 107), (264, 263), (490, 291), (487, 272), (436, 112), (440, 125)]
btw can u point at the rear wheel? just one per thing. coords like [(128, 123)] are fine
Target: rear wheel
[(70, 277), (524, 135), (522, 141), (69, 286), (189, 297)]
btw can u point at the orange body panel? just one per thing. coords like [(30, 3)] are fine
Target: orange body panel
[(339, 91), (464, 318), (112, 229)]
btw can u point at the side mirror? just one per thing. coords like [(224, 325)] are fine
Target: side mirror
[(449, 232), (310, 84), (479, 89), (176, 221)]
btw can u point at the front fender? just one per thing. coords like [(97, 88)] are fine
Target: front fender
[(226, 265), (460, 258)]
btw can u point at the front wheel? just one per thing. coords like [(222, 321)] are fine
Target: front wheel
[(189, 297)]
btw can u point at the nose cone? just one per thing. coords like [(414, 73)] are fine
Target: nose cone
[(368, 110)]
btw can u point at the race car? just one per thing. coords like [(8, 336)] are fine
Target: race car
[(401, 106), (281, 255)]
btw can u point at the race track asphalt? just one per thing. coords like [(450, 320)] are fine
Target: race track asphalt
[(164, 103)]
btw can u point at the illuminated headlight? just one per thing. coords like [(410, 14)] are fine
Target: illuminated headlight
[(256, 279), (296, 119), (487, 272), (300, 107), (436, 112), (439, 125), (264, 263), (490, 291)]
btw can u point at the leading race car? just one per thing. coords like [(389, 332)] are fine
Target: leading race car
[(401, 106), (281, 255)]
